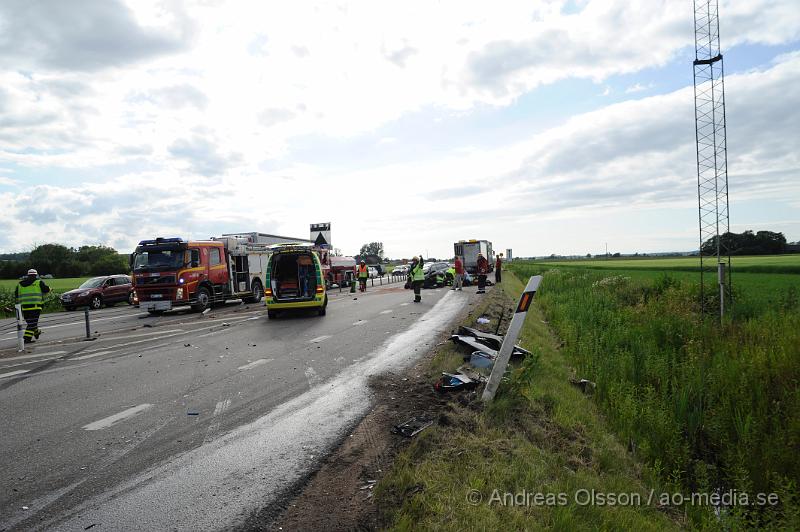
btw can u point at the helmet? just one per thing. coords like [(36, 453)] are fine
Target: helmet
[(32, 271), (362, 261)]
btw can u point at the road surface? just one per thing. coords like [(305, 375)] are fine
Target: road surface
[(192, 422)]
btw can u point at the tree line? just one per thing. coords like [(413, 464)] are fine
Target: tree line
[(61, 261), (747, 243)]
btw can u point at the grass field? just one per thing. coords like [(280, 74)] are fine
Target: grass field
[(754, 264), (709, 406), (57, 285)]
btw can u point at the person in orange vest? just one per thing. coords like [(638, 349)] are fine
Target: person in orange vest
[(363, 275), (498, 266)]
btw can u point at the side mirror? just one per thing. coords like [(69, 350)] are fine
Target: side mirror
[(131, 259)]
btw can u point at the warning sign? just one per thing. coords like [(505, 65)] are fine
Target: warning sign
[(321, 234)]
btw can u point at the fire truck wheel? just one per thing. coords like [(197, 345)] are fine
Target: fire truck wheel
[(203, 299), (258, 293), (130, 298)]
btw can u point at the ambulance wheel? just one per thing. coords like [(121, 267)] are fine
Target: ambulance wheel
[(323, 309), (271, 314)]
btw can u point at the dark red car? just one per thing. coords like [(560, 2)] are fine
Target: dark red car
[(99, 291)]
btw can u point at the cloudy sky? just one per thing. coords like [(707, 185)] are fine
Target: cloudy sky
[(544, 126)]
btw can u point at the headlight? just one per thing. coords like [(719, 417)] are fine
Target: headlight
[(179, 293)]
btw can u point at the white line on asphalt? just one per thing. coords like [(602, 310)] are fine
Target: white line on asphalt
[(23, 357), (403, 304), (319, 339), (137, 335), (255, 363), (360, 322), (37, 361), (388, 311), (221, 406), (18, 372), (110, 420), (99, 353)]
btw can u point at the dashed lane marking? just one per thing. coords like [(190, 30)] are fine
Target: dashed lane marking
[(255, 363), (318, 339), (18, 372), (116, 418)]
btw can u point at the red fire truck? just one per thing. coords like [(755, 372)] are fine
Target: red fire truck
[(172, 272)]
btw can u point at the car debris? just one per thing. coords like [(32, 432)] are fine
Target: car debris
[(482, 320), (412, 427), (192, 413), (449, 382), (481, 359), (473, 342), (585, 385), (492, 340)]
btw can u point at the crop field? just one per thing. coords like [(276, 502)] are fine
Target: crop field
[(709, 406), (57, 285)]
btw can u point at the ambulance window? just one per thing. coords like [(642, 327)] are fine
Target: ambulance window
[(213, 257)]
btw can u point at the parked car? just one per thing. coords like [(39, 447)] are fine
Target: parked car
[(99, 291), (401, 269)]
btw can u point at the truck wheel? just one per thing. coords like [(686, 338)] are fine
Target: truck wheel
[(203, 300), (258, 293)]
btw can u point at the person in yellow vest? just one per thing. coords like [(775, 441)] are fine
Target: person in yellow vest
[(417, 277), (29, 295), (363, 275)]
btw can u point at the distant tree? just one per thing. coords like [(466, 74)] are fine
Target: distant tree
[(746, 243), (616, 254), (52, 258), (110, 264), (373, 248), (588, 255)]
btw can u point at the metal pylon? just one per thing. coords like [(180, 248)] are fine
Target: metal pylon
[(712, 152)]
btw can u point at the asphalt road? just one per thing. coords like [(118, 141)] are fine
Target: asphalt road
[(191, 422)]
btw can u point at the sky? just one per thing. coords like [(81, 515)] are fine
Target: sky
[(543, 126)]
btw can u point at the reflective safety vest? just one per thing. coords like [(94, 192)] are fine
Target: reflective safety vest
[(363, 272), (30, 297), (417, 274)]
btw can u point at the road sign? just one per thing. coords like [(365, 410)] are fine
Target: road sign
[(321, 234), (514, 328)]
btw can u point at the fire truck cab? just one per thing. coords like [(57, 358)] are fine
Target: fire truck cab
[(173, 272)]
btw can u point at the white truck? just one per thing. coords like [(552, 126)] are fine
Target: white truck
[(469, 249)]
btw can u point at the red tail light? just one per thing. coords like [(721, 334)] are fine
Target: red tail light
[(320, 289)]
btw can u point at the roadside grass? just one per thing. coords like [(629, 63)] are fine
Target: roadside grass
[(51, 301), (541, 435), (709, 407)]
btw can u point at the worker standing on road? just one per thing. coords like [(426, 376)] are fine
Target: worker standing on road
[(458, 278), (498, 266), (30, 295), (483, 269), (363, 274), (417, 278)]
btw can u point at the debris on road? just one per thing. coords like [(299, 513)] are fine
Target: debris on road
[(481, 359), (483, 321), (412, 427), (585, 385), (475, 344), (192, 413), (449, 382), (226, 324)]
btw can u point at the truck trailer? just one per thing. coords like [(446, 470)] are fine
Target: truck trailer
[(173, 272), (469, 249)]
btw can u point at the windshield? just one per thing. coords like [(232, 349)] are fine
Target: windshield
[(94, 282), (167, 259)]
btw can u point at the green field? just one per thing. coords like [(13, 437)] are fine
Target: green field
[(708, 405), (57, 285), (752, 264)]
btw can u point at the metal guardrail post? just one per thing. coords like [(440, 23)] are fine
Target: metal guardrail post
[(514, 328), (20, 332), (86, 317)]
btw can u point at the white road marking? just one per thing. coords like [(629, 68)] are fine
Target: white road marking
[(23, 357), (255, 363), (97, 354), (110, 420), (102, 338), (18, 372), (360, 322), (221, 407), (403, 304), (388, 311), (318, 339)]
